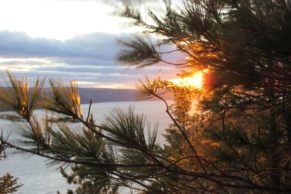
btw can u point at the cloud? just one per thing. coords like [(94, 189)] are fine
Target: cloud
[(99, 46), (127, 2), (87, 58)]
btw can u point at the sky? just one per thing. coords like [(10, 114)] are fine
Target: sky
[(68, 40)]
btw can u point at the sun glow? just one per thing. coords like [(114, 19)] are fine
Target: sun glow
[(196, 80)]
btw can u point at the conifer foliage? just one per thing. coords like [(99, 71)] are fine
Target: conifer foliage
[(8, 184)]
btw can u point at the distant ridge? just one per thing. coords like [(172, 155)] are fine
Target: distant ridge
[(112, 95), (106, 95)]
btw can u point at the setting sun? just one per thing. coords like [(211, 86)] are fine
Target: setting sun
[(195, 81)]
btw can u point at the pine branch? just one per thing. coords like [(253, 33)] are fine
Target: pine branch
[(69, 161)]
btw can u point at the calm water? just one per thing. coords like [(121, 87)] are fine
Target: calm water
[(39, 178)]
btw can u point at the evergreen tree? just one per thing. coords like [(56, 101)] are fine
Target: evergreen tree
[(8, 184), (247, 103)]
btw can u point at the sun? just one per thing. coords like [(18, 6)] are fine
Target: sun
[(196, 80)]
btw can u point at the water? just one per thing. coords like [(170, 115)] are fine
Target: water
[(39, 178)]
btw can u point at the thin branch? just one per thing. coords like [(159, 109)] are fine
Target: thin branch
[(171, 63), (89, 111), (122, 176), (181, 130), (168, 52), (96, 164), (35, 133)]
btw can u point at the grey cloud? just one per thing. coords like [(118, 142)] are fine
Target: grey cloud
[(27, 62), (90, 49), (83, 58), (87, 48), (103, 70), (128, 2)]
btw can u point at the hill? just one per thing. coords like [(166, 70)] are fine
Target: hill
[(106, 95)]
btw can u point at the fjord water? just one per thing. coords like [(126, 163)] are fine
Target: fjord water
[(39, 178)]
